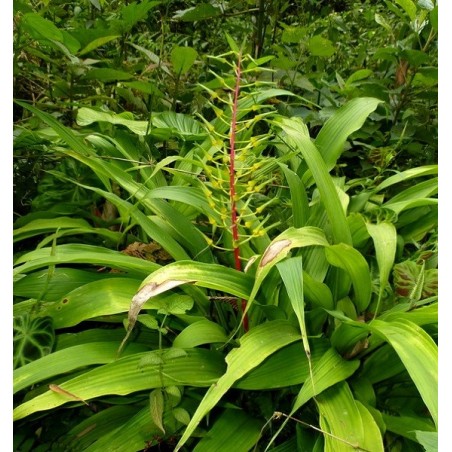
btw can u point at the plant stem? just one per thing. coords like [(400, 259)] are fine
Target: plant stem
[(232, 192)]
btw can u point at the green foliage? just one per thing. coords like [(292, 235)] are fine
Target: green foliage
[(223, 245)]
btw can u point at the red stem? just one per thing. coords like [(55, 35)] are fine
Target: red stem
[(232, 192)]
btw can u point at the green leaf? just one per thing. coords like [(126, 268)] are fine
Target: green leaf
[(255, 346), (67, 360), (419, 354), (202, 11), (294, 34), (133, 434), (200, 333), (322, 47), (124, 376), (407, 175), (42, 28), (434, 18), (354, 428), (353, 262), (409, 7), (286, 367), (332, 137), (428, 440), (82, 254), (213, 276), (63, 280), (279, 248), (97, 43), (358, 75), (384, 236), (291, 271), (106, 75), (299, 197), (182, 59), (156, 405), (297, 139), (234, 429), (100, 424), (327, 371), (408, 425)]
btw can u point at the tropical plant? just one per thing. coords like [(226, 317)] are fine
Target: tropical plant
[(253, 303)]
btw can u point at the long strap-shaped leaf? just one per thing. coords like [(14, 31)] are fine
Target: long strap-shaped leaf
[(328, 193), (354, 428), (348, 119), (353, 262), (419, 354), (255, 346), (384, 236), (416, 349), (329, 370), (279, 248), (199, 367), (67, 360), (212, 276)]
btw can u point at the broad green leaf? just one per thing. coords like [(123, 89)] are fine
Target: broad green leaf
[(293, 34), (62, 281), (133, 434), (43, 226), (124, 376), (200, 333), (133, 13), (287, 367), (406, 175), (322, 47), (354, 428), (151, 227), (157, 404), (67, 360), (280, 248), (408, 426), (182, 59), (97, 426), (419, 354), (97, 43), (353, 262), (358, 75), (384, 236), (417, 195), (98, 298), (234, 429), (42, 28), (295, 138), (327, 371), (201, 11), (82, 254), (212, 276), (175, 124), (434, 18), (317, 293), (428, 440), (291, 271), (299, 198), (409, 7), (255, 346), (332, 137), (383, 22), (105, 75)]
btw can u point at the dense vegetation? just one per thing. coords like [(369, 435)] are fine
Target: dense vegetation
[(225, 225)]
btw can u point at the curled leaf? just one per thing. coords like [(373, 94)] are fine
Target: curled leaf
[(274, 250)]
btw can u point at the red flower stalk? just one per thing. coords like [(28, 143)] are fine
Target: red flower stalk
[(232, 192)]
